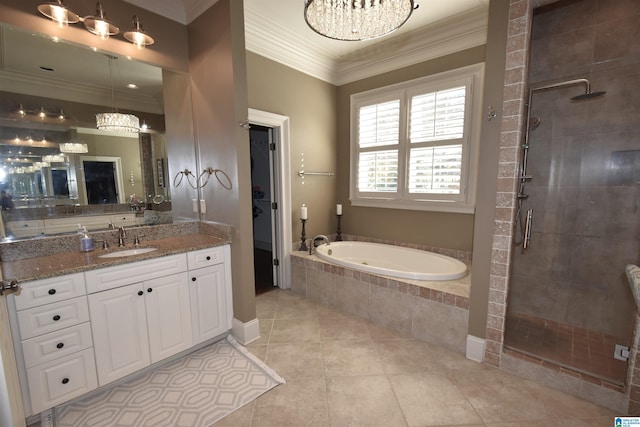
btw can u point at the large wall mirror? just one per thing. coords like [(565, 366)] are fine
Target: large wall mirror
[(56, 169)]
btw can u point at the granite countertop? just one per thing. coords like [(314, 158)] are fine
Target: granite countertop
[(75, 262)]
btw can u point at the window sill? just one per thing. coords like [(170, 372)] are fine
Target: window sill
[(429, 206)]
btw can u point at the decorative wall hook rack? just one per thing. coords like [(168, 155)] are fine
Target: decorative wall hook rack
[(181, 174), (225, 182)]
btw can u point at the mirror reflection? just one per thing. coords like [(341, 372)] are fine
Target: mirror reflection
[(58, 173)]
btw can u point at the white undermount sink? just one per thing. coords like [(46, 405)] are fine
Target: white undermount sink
[(127, 252)]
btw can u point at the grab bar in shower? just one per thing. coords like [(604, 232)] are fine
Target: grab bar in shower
[(527, 229)]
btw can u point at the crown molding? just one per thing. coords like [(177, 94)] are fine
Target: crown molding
[(73, 92), (452, 35), (170, 9), (195, 8), (272, 41), (269, 39)]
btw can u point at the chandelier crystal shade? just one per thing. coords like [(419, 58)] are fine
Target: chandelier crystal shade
[(73, 148), (117, 122), (354, 20)]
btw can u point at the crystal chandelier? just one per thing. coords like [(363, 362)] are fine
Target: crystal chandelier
[(356, 19), (73, 148), (114, 121)]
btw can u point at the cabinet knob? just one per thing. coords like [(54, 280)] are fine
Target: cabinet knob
[(193, 279), (65, 380), (208, 258), (52, 291), (56, 317), (149, 289), (60, 345), (140, 293)]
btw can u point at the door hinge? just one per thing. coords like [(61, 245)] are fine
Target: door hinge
[(272, 146), (274, 205), (621, 352), (276, 261)]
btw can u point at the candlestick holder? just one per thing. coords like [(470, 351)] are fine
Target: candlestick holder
[(303, 237), (339, 230)]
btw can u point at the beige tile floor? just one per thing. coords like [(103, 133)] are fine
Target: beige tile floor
[(343, 371)]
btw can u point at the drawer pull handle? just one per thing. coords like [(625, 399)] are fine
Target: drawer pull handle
[(65, 380), (193, 279), (60, 345), (56, 317), (208, 258), (140, 293), (52, 291), (149, 289)]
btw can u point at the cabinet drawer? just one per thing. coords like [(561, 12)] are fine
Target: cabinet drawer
[(50, 290), (61, 380), (25, 228), (124, 220), (57, 344), (126, 274), (52, 317), (205, 257)]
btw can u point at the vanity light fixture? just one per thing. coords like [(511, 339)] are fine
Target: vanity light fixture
[(58, 12), (355, 20), (97, 24), (137, 35)]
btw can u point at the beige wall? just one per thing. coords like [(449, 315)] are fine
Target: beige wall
[(445, 230), (487, 173), (310, 105), (218, 88)]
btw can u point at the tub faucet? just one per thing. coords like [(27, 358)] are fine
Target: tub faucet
[(313, 242)]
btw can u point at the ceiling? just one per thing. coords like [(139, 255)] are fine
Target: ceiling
[(273, 28), (276, 29)]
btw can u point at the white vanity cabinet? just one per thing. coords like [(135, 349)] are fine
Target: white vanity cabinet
[(143, 319), (76, 332), (52, 333), (210, 291)]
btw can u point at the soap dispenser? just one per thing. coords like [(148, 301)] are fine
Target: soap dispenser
[(86, 243)]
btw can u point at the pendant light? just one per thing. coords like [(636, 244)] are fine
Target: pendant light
[(58, 12), (115, 121)]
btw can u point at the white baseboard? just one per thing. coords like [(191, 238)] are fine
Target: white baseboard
[(475, 348), (245, 333)]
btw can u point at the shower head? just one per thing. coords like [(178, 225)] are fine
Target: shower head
[(588, 96), (534, 123)]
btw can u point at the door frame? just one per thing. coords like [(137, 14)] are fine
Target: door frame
[(117, 162), (281, 189)]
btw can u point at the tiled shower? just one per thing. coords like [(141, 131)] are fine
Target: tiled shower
[(569, 302)]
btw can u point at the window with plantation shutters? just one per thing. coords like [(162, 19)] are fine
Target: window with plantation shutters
[(413, 145)]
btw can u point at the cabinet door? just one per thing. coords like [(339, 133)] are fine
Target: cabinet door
[(119, 326), (208, 302), (168, 315)]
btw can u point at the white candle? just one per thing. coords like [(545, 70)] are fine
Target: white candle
[(303, 212), (338, 209)]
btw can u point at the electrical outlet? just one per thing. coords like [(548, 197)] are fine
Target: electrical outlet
[(203, 206)]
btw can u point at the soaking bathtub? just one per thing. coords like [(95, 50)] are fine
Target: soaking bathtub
[(393, 261)]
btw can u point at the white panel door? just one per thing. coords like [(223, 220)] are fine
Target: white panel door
[(119, 326), (208, 302), (168, 315)]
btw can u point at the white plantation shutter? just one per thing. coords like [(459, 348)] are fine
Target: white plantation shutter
[(438, 115), (435, 170), (378, 171), (414, 144), (379, 124), (436, 119)]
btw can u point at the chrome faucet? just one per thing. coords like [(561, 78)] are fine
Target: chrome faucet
[(121, 235), (313, 242)]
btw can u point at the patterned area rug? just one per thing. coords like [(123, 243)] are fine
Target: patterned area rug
[(194, 391)]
